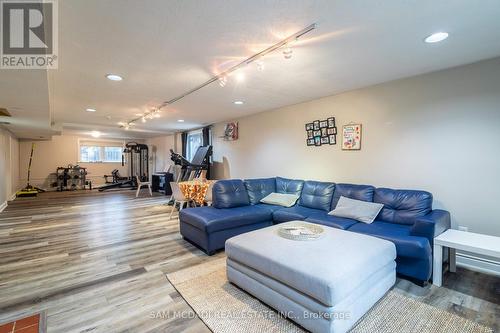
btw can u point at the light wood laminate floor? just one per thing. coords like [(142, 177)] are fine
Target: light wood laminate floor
[(96, 262)]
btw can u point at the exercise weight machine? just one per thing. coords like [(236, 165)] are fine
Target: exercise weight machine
[(115, 175), (71, 178), (136, 155)]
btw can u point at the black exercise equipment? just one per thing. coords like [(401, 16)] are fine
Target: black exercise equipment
[(71, 178), (160, 182), (29, 190), (115, 174), (194, 168), (137, 157)]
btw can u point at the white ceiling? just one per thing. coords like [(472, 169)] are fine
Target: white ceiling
[(164, 48)]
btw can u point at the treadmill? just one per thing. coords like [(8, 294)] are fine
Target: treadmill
[(193, 169)]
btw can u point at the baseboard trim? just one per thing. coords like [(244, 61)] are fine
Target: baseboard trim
[(478, 264), (3, 206)]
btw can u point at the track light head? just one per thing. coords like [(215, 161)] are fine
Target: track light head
[(222, 81), (287, 52), (260, 66)]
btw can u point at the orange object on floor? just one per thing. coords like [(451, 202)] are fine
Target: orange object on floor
[(29, 324)]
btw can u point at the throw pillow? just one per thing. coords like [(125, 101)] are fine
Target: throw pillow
[(280, 199), (358, 210)]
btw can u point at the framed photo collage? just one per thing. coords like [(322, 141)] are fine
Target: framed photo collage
[(321, 132)]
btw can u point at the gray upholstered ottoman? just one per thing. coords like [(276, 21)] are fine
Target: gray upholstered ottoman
[(325, 285)]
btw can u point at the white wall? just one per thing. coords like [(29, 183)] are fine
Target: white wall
[(4, 166), (438, 132), (160, 151), (9, 166), (59, 152)]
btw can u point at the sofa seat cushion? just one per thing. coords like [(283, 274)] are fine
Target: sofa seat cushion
[(402, 206), (331, 221), (406, 245), (210, 219), (289, 186), (270, 207), (317, 195), (259, 188), (293, 213)]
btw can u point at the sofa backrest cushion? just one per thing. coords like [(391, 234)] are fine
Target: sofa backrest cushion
[(317, 195), (259, 188), (402, 206), (352, 191), (229, 193), (289, 186)]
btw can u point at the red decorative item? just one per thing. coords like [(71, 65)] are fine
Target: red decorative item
[(231, 132)]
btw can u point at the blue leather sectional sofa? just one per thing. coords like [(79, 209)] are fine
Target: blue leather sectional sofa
[(407, 218)]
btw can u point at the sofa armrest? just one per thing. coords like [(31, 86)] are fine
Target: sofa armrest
[(432, 225)]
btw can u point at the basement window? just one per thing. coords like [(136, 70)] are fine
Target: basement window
[(194, 141), (113, 154), (100, 152)]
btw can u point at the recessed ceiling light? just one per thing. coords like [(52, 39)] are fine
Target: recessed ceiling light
[(180, 120), (114, 77), (95, 134), (238, 102), (436, 37), (90, 110)]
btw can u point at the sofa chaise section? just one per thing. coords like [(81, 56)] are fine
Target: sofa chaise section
[(230, 215), (209, 227)]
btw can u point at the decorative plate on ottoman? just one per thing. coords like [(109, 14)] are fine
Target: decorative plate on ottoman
[(300, 231)]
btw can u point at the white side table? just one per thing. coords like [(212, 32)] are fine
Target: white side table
[(461, 240)]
